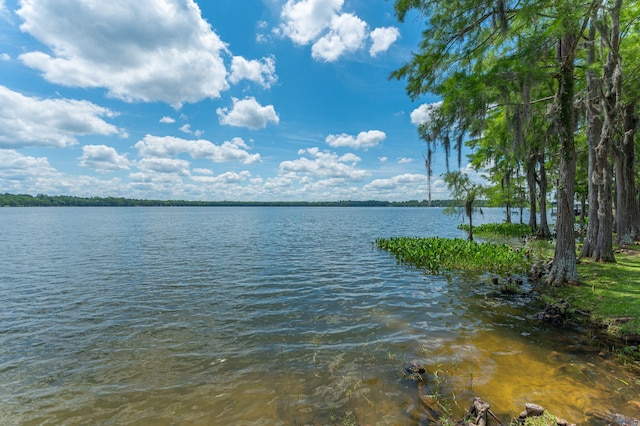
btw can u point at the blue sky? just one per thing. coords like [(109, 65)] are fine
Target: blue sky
[(246, 100)]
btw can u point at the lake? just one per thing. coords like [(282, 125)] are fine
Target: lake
[(265, 315)]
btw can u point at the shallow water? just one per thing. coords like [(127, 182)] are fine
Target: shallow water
[(215, 316)]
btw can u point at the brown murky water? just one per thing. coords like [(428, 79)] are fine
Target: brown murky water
[(266, 316)]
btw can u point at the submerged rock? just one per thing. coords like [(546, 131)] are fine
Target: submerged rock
[(615, 419)]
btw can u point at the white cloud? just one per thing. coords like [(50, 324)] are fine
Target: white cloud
[(408, 185), (226, 178), (332, 32), (405, 160), (322, 164), (260, 72), (169, 146), (248, 113), (166, 119), (186, 128), (15, 166), (27, 121), (205, 172), (423, 113), (103, 158), (165, 165), (22, 173), (363, 140), (147, 50), (347, 34), (5, 57), (382, 39), (303, 21)]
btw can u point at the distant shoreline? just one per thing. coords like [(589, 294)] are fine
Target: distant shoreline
[(25, 200)]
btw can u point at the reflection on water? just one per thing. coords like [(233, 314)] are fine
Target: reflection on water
[(264, 316)]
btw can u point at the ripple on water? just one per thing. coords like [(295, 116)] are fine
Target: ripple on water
[(258, 316)]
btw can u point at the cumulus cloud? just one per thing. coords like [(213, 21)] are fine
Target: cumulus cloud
[(405, 160), (169, 147), (331, 32), (165, 165), (423, 113), (30, 121), (166, 119), (415, 185), (5, 57), (323, 164), (186, 128), (16, 166), (346, 34), (363, 140), (21, 173), (260, 72), (103, 158), (248, 113), (382, 39), (206, 172), (303, 21), (146, 50), (226, 178)]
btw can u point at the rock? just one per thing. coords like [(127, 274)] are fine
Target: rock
[(412, 369), (533, 410), (617, 419)]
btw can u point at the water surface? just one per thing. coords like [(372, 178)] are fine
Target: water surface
[(251, 315)]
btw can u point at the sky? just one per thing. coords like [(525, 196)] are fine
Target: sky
[(243, 100)]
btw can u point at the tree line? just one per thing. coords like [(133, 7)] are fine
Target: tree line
[(545, 93), (43, 200)]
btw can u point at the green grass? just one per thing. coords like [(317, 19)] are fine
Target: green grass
[(546, 419), (609, 292), (437, 255)]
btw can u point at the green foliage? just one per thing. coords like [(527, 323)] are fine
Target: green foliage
[(465, 193), (500, 229), (437, 255), (462, 190), (41, 200), (546, 419)]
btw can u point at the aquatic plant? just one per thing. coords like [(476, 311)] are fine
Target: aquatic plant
[(500, 229), (437, 255)]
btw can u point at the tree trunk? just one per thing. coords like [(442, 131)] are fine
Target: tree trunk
[(469, 211), (506, 183), (600, 178), (531, 183), (627, 209), (583, 211), (595, 132), (543, 231), (564, 269)]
